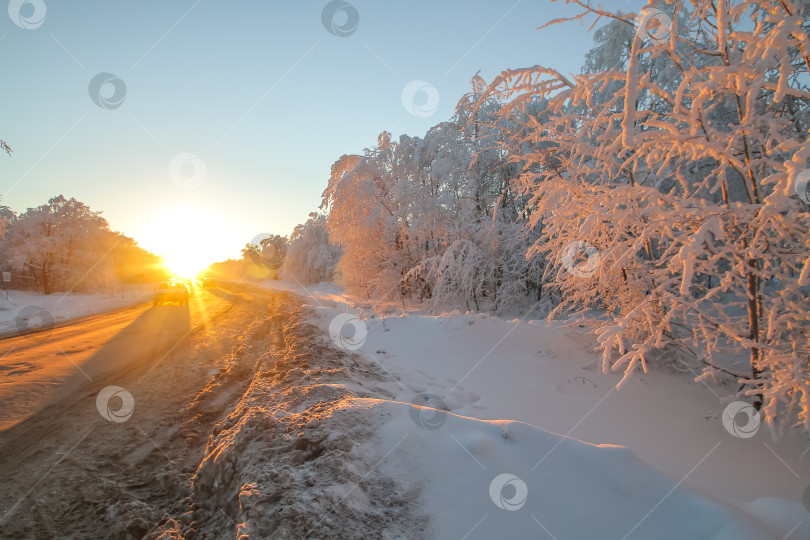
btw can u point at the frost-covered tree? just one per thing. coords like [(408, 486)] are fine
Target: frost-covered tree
[(264, 259), (62, 244), (672, 163), (366, 221), (434, 218), (311, 257)]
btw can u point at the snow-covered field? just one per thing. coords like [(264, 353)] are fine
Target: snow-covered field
[(28, 310), (510, 428)]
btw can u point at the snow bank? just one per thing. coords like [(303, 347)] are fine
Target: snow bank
[(298, 456), (24, 309), (488, 479), (546, 376), (317, 449)]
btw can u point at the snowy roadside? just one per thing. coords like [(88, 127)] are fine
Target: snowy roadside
[(542, 375), (25, 309), (299, 455)]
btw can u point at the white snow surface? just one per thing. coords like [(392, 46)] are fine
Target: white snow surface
[(575, 458), (26, 309)]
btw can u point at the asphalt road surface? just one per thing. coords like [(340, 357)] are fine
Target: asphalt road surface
[(38, 368), (65, 469)]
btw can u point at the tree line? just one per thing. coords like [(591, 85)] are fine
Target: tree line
[(63, 245)]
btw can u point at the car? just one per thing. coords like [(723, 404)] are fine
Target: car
[(171, 291), (209, 283)]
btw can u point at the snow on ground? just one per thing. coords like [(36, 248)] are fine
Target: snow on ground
[(545, 380), (28, 310), (547, 485)]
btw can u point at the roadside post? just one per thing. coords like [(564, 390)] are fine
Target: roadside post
[(6, 282)]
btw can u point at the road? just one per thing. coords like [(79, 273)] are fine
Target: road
[(62, 462), (40, 367)]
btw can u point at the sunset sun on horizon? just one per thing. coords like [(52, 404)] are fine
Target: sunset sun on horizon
[(189, 237)]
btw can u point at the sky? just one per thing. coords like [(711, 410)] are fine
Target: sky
[(199, 124)]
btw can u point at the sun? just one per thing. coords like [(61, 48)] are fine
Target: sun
[(183, 265), (189, 238)]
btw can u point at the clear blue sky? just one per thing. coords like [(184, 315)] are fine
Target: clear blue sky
[(261, 92)]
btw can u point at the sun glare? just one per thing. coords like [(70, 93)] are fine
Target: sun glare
[(181, 266), (188, 238)]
